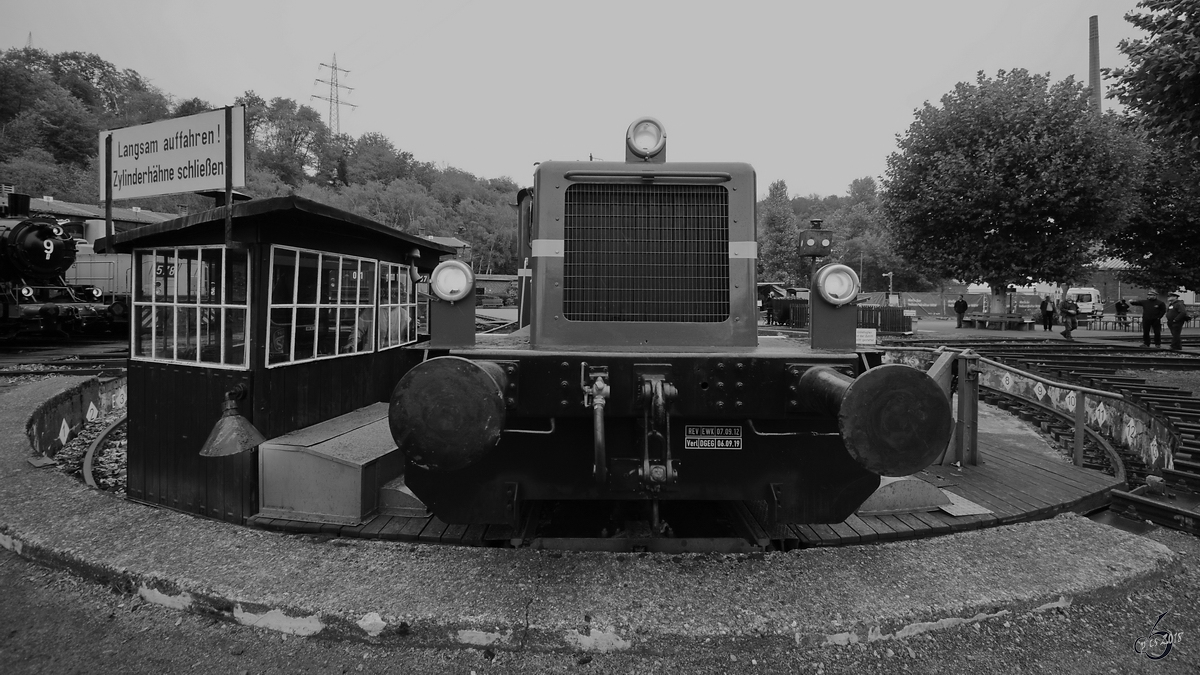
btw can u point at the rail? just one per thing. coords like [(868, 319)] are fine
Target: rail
[(967, 363)]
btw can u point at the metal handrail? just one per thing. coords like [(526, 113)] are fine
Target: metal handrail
[(1004, 366), (972, 411)]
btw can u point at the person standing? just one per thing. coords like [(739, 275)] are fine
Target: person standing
[(1122, 309), (960, 308), (1047, 313), (1153, 310), (1068, 309), (1177, 315)]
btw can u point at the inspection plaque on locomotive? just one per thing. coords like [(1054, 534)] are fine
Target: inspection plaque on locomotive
[(712, 438)]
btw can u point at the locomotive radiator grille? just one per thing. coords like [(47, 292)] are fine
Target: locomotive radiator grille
[(637, 252)]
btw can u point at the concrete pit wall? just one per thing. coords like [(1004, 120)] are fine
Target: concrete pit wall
[(60, 418)]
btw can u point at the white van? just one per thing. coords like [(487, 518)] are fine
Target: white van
[(1088, 300)]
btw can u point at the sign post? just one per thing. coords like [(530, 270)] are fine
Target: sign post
[(229, 176), (108, 223)]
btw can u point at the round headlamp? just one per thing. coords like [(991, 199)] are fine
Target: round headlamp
[(838, 284), (452, 280), (26, 292), (646, 137), (96, 292)]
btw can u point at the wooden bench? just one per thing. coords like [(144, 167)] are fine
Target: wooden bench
[(1111, 323), (1001, 321)]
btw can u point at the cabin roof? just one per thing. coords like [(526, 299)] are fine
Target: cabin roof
[(271, 220)]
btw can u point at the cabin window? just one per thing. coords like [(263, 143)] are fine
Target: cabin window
[(397, 306), (322, 305), (190, 306)]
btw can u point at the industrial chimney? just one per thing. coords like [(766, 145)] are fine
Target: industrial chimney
[(1094, 62)]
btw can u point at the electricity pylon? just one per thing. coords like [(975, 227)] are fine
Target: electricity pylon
[(334, 98)]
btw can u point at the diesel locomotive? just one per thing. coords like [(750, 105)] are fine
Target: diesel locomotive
[(37, 252), (638, 375)]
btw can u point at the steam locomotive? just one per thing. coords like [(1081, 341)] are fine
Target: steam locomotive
[(38, 254), (638, 375)]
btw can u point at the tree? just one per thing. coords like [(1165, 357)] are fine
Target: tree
[(289, 138), (863, 242), (35, 172), (69, 129), (192, 106), (22, 84), (778, 237), (256, 112), (1010, 180), (21, 133), (373, 157), (95, 82), (140, 105), (490, 227), (1163, 235), (401, 204), (1161, 87), (1162, 81)]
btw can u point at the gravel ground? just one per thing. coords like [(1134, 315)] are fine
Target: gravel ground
[(52, 622)]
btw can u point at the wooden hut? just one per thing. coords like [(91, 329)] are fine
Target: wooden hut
[(307, 308)]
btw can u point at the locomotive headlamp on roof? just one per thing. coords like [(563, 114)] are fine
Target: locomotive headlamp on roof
[(646, 141)]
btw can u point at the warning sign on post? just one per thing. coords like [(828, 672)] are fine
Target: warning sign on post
[(185, 154), (697, 437)]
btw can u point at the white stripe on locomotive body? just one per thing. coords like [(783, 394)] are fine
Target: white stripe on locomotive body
[(553, 248)]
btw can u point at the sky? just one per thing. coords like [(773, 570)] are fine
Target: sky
[(811, 93)]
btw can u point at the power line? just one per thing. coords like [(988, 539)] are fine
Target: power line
[(334, 98)]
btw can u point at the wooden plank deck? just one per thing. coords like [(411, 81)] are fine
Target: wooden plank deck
[(1019, 482), (1020, 479)]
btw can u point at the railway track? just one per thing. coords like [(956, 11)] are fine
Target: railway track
[(98, 357), (1170, 498)]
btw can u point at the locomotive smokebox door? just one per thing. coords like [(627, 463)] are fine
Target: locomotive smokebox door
[(834, 315)]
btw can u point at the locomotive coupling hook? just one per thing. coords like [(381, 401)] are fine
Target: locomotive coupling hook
[(598, 392)]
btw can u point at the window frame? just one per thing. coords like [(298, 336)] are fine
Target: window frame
[(406, 304), (318, 305), (173, 304)]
